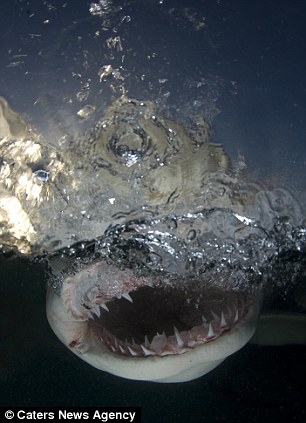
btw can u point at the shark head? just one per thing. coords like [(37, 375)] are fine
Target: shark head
[(177, 239), (145, 329)]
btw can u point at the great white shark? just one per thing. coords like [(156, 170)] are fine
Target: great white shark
[(158, 248)]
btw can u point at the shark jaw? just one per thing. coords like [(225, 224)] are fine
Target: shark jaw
[(139, 328)]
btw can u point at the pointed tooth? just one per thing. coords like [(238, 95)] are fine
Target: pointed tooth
[(223, 321), (103, 305), (168, 352), (146, 342), (133, 342), (96, 311), (204, 320), (215, 316), (159, 341), (236, 316), (127, 297), (178, 337), (146, 351), (132, 352), (185, 349), (210, 331), (113, 348), (116, 342), (121, 349)]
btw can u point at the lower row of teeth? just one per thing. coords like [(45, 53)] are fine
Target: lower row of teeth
[(178, 343)]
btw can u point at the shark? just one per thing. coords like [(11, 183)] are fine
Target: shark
[(82, 315), (158, 248)]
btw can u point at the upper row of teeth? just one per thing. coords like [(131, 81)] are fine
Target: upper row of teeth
[(97, 312)]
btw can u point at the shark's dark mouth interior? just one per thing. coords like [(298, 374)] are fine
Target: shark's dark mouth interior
[(158, 321)]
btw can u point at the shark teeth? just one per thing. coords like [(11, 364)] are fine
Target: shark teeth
[(103, 305), (96, 311), (179, 342), (159, 341), (127, 297), (211, 332), (223, 321), (146, 343), (204, 320), (178, 337), (132, 352), (146, 351), (121, 349), (215, 316)]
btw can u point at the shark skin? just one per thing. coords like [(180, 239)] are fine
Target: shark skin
[(146, 193), (170, 369), (181, 357), (269, 329)]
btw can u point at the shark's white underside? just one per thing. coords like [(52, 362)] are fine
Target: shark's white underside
[(171, 368)]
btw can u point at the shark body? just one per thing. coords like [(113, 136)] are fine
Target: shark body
[(158, 247)]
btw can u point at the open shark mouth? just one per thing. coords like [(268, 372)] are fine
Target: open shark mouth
[(162, 321), (143, 318)]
